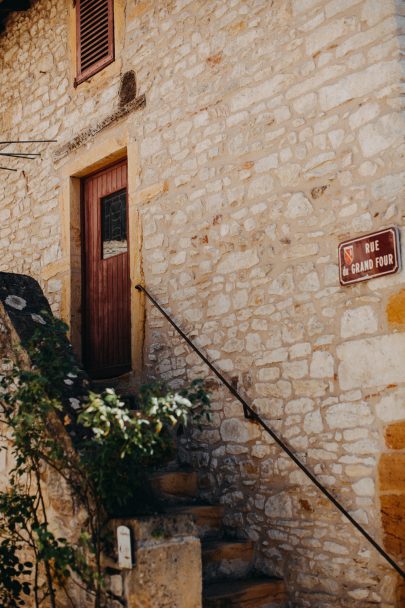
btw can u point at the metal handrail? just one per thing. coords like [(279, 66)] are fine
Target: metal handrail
[(252, 415)]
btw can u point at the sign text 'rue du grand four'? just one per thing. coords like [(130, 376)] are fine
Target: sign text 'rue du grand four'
[(369, 256)]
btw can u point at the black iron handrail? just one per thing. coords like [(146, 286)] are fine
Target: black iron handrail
[(252, 415)]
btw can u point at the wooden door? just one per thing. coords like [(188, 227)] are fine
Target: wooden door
[(107, 320)]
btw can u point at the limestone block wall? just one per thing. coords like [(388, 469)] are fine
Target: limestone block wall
[(290, 154), (272, 130)]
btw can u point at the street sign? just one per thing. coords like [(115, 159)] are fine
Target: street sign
[(369, 256)]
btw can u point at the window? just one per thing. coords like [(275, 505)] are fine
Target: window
[(94, 35), (114, 224)]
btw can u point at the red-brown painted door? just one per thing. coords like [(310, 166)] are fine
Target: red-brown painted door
[(107, 320)]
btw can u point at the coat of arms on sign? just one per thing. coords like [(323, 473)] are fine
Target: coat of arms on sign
[(348, 254)]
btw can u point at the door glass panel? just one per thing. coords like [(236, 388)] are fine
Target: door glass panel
[(114, 224)]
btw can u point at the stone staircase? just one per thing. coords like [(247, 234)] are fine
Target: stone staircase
[(228, 573)]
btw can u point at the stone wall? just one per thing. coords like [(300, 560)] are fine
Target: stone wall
[(272, 130)]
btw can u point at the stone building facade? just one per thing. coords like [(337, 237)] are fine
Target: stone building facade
[(259, 135)]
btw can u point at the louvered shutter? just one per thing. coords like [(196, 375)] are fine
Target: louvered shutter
[(95, 36)]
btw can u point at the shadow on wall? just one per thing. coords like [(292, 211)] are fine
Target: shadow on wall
[(28, 310)]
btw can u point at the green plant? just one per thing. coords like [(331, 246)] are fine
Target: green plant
[(105, 467), (15, 575), (158, 533), (124, 445)]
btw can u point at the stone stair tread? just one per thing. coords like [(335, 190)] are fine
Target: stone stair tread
[(227, 549), (208, 518), (196, 508), (227, 562), (248, 593), (179, 482)]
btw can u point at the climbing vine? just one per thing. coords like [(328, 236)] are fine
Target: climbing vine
[(102, 457)]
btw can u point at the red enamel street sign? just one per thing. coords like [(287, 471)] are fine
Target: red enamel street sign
[(369, 256)]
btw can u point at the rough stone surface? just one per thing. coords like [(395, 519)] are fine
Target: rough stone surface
[(357, 321), (264, 133), (167, 571), (372, 361)]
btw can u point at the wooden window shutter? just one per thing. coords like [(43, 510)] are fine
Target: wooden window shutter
[(95, 36)]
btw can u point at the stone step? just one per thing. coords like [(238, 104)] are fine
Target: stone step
[(178, 485), (208, 518), (250, 593), (226, 559)]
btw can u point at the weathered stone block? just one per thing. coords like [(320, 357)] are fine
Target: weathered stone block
[(299, 406), (313, 423), (364, 487), (167, 571), (279, 506), (151, 145), (358, 84), (303, 6), (372, 361), (306, 104), (380, 135), (265, 90), (322, 365), (238, 431), (396, 309), (238, 260), (364, 114), (324, 36), (295, 369), (356, 321), (374, 11), (393, 520), (298, 206), (218, 305), (395, 436), (260, 186), (392, 406), (348, 415), (392, 473)]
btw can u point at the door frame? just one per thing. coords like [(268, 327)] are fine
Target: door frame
[(107, 150)]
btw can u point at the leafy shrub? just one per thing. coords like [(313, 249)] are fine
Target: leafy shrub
[(124, 445), (15, 575)]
